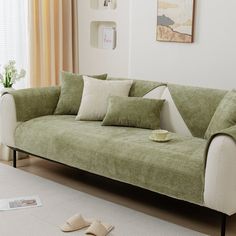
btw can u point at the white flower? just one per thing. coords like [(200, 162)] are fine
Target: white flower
[(21, 74), (10, 74), (12, 62)]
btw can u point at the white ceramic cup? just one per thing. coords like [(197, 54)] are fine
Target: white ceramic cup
[(160, 134)]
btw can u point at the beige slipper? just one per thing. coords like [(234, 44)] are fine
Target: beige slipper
[(76, 222), (99, 229)]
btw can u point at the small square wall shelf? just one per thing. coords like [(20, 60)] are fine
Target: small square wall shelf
[(103, 4), (103, 34)]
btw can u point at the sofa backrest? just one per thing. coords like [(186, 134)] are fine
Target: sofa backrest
[(140, 87), (196, 106), (171, 118), (188, 110)]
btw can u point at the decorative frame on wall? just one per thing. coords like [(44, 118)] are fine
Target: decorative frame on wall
[(175, 20)]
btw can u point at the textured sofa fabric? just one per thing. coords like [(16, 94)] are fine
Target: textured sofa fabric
[(196, 106), (225, 115), (231, 132), (133, 112), (175, 169), (35, 102), (140, 87), (181, 168)]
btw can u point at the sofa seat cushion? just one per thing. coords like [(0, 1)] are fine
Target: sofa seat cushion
[(126, 154)]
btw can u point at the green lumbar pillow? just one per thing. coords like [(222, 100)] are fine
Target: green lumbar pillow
[(71, 92), (133, 112), (225, 115)]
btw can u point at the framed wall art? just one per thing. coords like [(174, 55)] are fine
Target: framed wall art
[(175, 20)]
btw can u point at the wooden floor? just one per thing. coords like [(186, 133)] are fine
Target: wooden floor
[(190, 216)]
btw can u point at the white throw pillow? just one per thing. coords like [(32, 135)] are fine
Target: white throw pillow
[(95, 96)]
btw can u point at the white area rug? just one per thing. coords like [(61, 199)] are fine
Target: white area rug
[(60, 202)]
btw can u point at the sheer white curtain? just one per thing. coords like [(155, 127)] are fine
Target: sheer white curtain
[(14, 35)]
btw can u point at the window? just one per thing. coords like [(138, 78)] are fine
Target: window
[(13, 35)]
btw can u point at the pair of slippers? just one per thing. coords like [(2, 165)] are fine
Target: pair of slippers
[(95, 227)]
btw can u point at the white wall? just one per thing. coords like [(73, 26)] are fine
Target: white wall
[(95, 60), (209, 62)]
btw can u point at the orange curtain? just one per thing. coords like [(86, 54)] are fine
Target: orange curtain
[(53, 30)]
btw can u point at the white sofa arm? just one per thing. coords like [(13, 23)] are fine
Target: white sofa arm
[(220, 177), (8, 121)]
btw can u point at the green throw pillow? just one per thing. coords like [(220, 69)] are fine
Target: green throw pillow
[(133, 112), (71, 92), (225, 115)]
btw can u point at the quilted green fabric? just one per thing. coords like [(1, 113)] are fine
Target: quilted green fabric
[(35, 102), (196, 106), (175, 169), (133, 112), (225, 115), (71, 92), (140, 87)]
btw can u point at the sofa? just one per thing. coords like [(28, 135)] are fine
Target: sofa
[(189, 167)]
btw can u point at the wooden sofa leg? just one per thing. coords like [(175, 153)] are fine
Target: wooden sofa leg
[(223, 224), (14, 158)]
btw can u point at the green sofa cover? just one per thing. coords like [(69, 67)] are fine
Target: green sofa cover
[(175, 169)]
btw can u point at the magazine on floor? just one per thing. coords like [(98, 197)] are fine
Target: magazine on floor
[(19, 203)]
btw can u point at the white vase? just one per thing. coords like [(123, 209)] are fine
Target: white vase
[(6, 90)]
